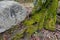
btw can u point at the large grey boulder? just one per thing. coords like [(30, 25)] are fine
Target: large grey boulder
[(11, 13)]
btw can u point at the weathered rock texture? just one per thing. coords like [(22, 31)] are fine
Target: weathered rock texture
[(11, 13)]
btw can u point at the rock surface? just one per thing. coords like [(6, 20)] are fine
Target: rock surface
[(11, 13)]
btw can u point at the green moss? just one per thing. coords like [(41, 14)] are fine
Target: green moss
[(46, 17), (28, 23), (50, 19), (31, 29), (18, 35)]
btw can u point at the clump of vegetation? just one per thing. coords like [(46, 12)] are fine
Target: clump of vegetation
[(43, 16), (19, 35)]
